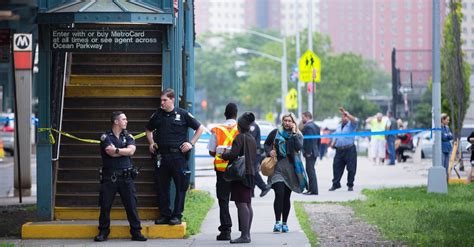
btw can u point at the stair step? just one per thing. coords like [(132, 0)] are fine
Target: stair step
[(97, 125), (81, 149), (110, 102), (92, 199), (94, 186), (80, 229), (95, 161), (92, 213), (104, 113), (113, 90), (88, 174), (115, 58), (115, 79), (117, 69)]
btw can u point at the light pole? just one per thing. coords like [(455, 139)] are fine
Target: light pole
[(282, 60)]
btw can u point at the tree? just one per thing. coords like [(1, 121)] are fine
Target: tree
[(455, 72)]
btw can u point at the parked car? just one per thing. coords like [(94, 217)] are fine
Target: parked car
[(7, 132), (427, 142)]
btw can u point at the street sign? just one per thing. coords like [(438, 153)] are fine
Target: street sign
[(291, 100), (309, 67)]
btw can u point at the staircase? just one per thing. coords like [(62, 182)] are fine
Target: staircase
[(98, 85)]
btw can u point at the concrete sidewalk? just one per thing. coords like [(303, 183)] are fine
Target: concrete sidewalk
[(368, 176)]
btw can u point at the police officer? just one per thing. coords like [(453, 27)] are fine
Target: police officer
[(167, 134), (116, 147)]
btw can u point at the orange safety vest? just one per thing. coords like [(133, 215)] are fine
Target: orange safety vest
[(225, 135)]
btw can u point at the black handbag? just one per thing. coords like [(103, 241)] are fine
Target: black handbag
[(235, 171)]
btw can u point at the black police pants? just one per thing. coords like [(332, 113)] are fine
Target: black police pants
[(223, 197), (345, 158), (127, 192), (173, 166), (311, 171)]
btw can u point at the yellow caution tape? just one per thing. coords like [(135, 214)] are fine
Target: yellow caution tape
[(52, 141)]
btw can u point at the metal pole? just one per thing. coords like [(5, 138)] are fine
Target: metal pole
[(284, 77), (437, 181), (310, 47), (298, 54)]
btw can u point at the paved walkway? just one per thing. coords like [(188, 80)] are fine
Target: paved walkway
[(368, 176)]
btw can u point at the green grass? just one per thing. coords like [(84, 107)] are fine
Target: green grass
[(305, 223), (6, 245), (417, 218), (196, 207)]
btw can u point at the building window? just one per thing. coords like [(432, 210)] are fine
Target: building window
[(408, 66), (382, 43), (420, 66), (472, 54), (407, 55), (472, 42), (420, 42), (419, 55), (408, 29), (464, 30)]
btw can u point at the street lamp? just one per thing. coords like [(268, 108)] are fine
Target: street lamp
[(282, 60)]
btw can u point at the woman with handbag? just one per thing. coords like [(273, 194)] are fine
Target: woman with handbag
[(285, 143), (241, 190)]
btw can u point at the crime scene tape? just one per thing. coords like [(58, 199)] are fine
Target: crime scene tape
[(52, 140)]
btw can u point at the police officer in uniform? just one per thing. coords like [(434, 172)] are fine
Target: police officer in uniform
[(117, 173), (167, 134)]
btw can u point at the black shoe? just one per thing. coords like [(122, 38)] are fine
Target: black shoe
[(101, 237), (162, 221), (240, 240), (139, 237), (310, 193), (333, 188), (350, 189), (265, 192), (174, 221), (225, 235)]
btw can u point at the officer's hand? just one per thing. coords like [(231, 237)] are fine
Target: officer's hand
[(110, 149), (152, 148), (185, 147)]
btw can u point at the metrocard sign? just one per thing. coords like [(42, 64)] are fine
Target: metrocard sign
[(309, 67)]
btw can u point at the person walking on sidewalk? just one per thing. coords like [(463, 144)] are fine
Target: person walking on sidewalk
[(377, 142), (470, 139), (311, 151), (346, 153), (391, 125), (222, 137), (241, 191), (116, 148), (255, 132), (324, 143), (446, 138), (285, 143)]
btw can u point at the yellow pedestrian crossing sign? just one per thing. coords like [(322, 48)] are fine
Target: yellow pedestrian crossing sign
[(309, 67), (291, 100)]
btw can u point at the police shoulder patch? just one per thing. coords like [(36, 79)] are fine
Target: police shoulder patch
[(102, 137)]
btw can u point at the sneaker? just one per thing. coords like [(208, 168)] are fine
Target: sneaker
[(225, 235), (333, 188), (277, 228), (284, 228), (350, 189)]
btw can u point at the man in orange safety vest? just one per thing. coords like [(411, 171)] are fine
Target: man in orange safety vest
[(221, 139)]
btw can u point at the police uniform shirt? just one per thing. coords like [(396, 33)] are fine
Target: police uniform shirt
[(123, 141), (171, 128)]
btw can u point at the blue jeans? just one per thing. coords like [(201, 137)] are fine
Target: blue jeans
[(445, 161), (391, 149)]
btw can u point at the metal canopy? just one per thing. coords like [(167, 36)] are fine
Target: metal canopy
[(106, 11)]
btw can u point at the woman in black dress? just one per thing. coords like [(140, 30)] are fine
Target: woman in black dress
[(241, 191)]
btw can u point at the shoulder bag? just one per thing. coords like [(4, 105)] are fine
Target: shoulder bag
[(268, 165), (235, 171)]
